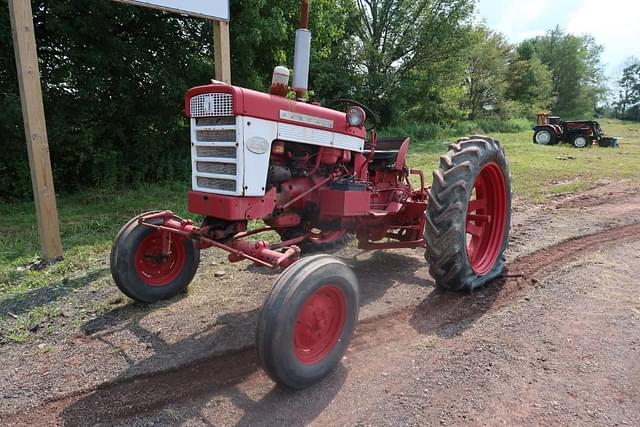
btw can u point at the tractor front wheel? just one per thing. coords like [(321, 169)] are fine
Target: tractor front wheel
[(307, 321), (142, 272), (581, 141), (469, 214)]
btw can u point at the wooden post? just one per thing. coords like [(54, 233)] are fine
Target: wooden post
[(24, 43), (222, 51)]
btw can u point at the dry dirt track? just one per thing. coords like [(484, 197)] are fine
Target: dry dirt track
[(557, 342)]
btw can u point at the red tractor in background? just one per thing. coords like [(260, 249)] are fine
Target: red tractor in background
[(551, 130), (313, 175)]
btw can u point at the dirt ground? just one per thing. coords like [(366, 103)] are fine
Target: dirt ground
[(556, 341)]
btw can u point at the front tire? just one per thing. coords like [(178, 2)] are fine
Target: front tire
[(469, 215), (141, 271), (581, 141), (307, 321)]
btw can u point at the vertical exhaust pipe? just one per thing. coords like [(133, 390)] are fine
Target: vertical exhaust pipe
[(302, 53)]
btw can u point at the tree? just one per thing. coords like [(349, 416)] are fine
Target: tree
[(574, 62), (529, 84), (263, 34), (114, 78), (393, 38), (629, 90), (485, 75)]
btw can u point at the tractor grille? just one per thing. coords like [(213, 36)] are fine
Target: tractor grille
[(216, 168), (213, 135), (217, 183), (216, 121), (217, 165), (221, 152), (212, 105)]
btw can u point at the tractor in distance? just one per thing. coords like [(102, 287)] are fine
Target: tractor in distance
[(550, 130), (314, 175)]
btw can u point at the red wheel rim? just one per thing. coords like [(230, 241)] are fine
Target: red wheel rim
[(486, 216), (155, 269), (319, 324)]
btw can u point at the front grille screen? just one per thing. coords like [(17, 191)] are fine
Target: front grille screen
[(212, 105), (216, 135), (220, 152), (217, 168), (217, 183)]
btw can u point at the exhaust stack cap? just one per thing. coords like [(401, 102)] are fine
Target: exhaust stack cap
[(280, 81), (301, 62)]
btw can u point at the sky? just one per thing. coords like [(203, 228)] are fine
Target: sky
[(615, 24)]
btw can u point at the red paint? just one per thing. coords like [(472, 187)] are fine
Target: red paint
[(264, 106), (402, 154), (319, 324), (231, 207), (556, 129), (339, 203), (329, 156), (261, 252), (285, 220), (154, 268), (304, 14), (486, 217)]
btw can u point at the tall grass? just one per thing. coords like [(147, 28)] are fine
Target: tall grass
[(425, 132)]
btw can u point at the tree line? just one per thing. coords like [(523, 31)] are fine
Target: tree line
[(626, 104), (114, 76)]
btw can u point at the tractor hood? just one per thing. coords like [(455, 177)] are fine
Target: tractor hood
[(251, 103)]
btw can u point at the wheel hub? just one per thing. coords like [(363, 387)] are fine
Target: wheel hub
[(486, 216), (319, 324), (155, 268), (543, 137)]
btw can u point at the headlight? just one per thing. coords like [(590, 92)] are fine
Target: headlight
[(356, 116)]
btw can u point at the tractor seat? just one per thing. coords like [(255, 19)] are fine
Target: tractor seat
[(386, 148)]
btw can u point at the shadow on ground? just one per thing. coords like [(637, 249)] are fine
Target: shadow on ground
[(148, 385), (24, 302)]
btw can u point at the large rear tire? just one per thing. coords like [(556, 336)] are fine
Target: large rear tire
[(544, 137), (139, 269), (469, 214), (307, 321)]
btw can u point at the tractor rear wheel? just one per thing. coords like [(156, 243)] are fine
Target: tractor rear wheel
[(307, 321), (469, 214), (544, 137), (141, 271), (581, 141)]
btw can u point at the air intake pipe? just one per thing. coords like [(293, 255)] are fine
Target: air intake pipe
[(302, 53)]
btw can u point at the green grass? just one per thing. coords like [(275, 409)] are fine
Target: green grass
[(538, 173), (89, 220)]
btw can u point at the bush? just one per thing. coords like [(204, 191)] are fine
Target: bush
[(113, 85), (422, 132)]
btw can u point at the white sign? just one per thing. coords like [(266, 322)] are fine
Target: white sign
[(211, 9)]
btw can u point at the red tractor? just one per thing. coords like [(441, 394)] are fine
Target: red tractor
[(551, 130), (313, 175)]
